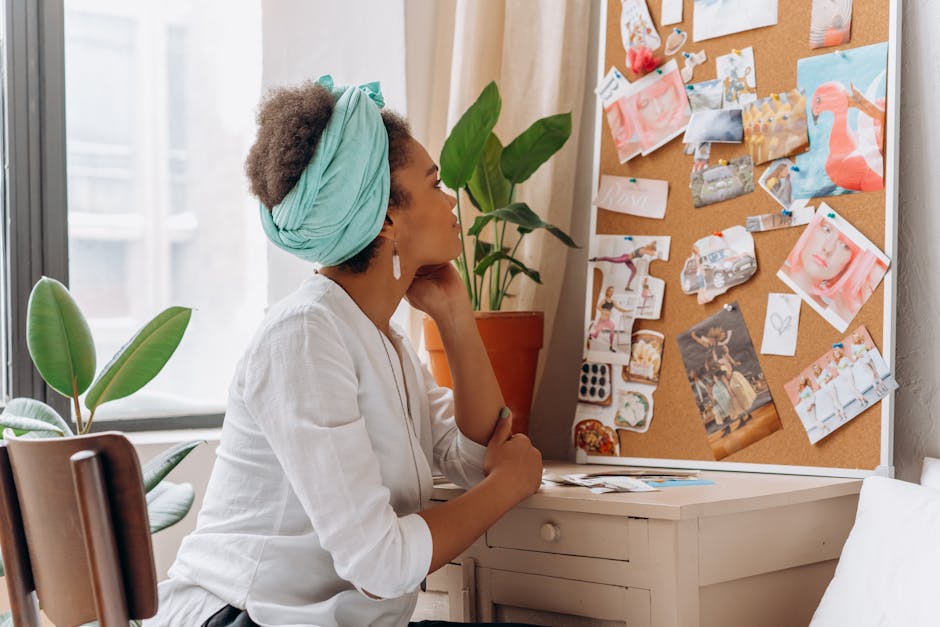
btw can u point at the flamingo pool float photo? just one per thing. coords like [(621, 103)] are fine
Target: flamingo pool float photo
[(855, 159)]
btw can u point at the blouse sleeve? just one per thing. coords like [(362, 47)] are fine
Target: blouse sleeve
[(301, 387), (458, 457)]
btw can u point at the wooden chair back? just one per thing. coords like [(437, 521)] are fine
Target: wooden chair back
[(74, 528)]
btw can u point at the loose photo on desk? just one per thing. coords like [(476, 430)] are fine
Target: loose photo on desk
[(727, 381)]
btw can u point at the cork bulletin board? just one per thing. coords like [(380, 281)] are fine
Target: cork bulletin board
[(675, 437)]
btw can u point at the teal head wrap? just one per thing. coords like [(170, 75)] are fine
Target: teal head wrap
[(338, 206)]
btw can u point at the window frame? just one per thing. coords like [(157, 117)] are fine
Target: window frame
[(36, 207)]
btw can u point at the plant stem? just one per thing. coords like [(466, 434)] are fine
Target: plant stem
[(78, 407), (509, 277), (463, 251), (91, 417)]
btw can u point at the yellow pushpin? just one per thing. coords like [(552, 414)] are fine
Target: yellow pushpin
[(736, 51), (775, 96), (722, 162)]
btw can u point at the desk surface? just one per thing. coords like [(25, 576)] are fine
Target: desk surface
[(732, 492)]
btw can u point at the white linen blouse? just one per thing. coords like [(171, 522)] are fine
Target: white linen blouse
[(326, 455)]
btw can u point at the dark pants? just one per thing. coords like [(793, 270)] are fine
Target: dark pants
[(230, 616)]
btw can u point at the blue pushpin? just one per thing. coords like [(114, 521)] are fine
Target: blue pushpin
[(794, 168), (628, 237), (837, 345), (831, 215), (690, 87), (659, 70), (787, 212), (677, 30), (686, 55), (632, 180)]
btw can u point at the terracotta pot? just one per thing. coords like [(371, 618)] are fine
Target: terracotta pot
[(512, 340)]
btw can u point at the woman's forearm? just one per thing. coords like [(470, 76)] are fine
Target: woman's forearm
[(457, 523), (477, 397)]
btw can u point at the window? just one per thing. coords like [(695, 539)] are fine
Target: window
[(160, 103)]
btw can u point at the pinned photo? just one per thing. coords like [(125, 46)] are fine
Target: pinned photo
[(722, 182), (596, 383), (834, 268), (633, 407), (830, 24), (636, 25), (592, 435), (719, 262), (716, 18), (798, 216), (846, 117), (776, 181), (738, 77), (775, 127), (675, 40), (646, 357), (611, 91), (728, 384), (639, 197), (658, 107), (723, 126), (692, 61), (845, 381), (705, 96)]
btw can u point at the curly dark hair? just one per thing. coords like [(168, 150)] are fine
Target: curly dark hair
[(291, 121)]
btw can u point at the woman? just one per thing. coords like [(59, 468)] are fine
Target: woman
[(806, 408), (316, 511), (604, 320), (864, 371), (827, 399), (647, 250), (845, 383)]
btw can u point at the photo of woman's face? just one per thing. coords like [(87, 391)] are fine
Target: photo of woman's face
[(656, 105), (826, 254)]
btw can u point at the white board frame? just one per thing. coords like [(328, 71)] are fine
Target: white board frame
[(885, 467)]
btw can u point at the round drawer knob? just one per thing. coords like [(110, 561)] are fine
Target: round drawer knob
[(550, 532)]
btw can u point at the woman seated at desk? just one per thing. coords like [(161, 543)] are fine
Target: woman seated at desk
[(317, 509)]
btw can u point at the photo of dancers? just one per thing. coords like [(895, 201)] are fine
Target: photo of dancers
[(621, 291), (842, 383), (728, 383)]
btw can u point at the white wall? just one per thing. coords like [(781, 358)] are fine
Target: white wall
[(917, 417), (357, 42)]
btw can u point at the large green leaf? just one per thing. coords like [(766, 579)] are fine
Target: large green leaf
[(487, 185), (493, 257), (464, 145), (59, 339), (160, 466), (520, 214), (526, 153), (141, 359), (21, 425), (37, 410), (168, 503)]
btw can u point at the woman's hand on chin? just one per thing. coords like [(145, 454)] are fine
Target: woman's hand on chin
[(438, 291)]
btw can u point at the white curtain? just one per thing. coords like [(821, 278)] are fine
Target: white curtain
[(536, 51)]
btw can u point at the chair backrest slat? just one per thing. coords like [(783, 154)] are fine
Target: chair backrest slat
[(17, 570), (52, 521)]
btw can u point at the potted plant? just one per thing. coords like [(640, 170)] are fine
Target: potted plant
[(475, 162), (63, 351)]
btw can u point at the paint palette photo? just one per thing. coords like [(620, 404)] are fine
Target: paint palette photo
[(595, 384)]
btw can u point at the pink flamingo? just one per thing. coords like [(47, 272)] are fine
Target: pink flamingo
[(855, 161)]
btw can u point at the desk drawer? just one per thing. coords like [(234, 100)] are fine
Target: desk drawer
[(539, 600), (570, 533)]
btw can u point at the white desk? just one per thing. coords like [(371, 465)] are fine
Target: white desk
[(752, 550)]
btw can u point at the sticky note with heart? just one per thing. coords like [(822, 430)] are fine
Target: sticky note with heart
[(781, 325)]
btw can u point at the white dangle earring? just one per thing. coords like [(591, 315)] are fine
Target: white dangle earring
[(396, 261)]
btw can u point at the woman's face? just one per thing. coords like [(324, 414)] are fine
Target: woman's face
[(826, 253), (656, 105), (817, 370), (427, 229), (609, 292)]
